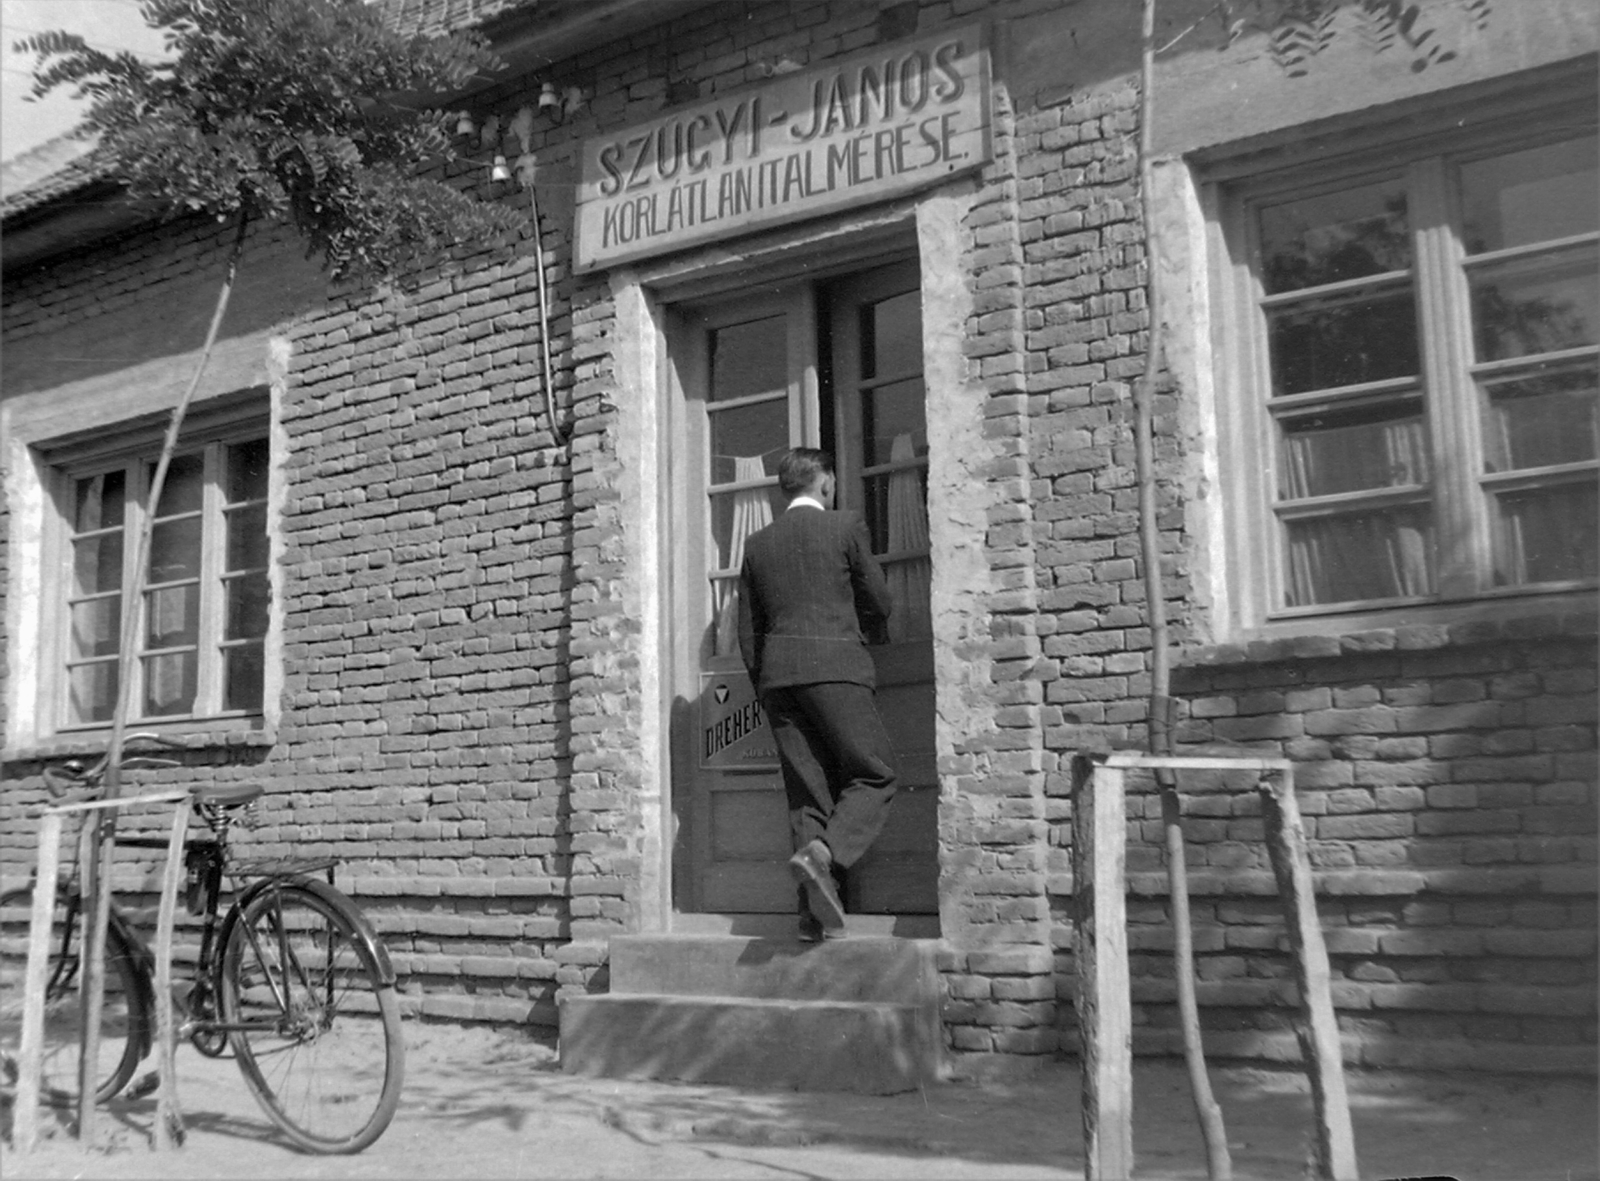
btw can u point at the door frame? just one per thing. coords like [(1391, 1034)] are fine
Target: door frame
[(930, 227)]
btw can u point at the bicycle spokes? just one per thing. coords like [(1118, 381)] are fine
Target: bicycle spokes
[(316, 1029)]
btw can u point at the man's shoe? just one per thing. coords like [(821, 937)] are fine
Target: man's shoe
[(809, 929), (812, 868)]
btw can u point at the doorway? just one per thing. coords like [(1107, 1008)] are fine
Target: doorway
[(835, 364)]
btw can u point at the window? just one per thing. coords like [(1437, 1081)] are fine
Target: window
[(1417, 346), (206, 595)]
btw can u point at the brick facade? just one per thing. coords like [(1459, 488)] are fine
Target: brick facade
[(463, 716)]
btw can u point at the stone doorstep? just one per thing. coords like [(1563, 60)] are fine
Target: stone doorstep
[(872, 1048), (888, 970), (858, 1014)]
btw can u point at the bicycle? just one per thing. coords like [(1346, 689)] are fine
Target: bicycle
[(292, 978)]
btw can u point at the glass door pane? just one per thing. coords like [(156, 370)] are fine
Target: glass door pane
[(747, 421)]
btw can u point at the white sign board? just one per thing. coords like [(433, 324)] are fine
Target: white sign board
[(880, 125)]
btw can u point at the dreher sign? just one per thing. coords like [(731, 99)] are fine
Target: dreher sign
[(734, 735), (888, 122)]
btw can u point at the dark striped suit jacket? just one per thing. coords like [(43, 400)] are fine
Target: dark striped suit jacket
[(810, 584)]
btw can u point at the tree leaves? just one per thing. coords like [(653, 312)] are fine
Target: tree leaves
[(1299, 30), (288, 110)]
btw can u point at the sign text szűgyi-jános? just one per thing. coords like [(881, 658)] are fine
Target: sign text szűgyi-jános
[(876, 126)]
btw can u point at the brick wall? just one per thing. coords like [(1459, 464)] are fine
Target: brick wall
[(462, 710)]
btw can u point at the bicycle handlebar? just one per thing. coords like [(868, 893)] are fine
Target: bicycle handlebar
[(74, 774)]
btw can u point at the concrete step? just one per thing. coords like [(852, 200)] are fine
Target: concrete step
[(815, 1045), (893, 971), (858, 1014)]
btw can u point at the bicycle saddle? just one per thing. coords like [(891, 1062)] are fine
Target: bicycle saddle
[(227, 795)]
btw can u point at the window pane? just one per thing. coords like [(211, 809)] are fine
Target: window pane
[(242, 677), (169, 683), (96, 627), (1536, 305), (1544, 419), (736, 515), (247, 471), (1534, 195), (749, 358), (97, 564), (758, 434), (184, 487), (1377, 554), (91, 693), (1347, 450), (98, 502), (889, 412), (891, 336), (248, 600), (1335, 236), (1546, 535), (172, 616), (1331, 343), (247, 537), (175, 550)]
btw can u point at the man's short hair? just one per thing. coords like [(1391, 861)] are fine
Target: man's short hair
[(800, 470)]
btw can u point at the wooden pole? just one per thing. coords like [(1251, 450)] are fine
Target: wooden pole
[(1219, 1164), (1100, 950), (25, 1115), (169, 1115), (97, 878), (1319, 1035)]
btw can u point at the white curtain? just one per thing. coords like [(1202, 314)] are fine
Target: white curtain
[(752, 510), (908, 530), (1358, 556)]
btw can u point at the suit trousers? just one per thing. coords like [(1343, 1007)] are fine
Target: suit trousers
[(839, 769)]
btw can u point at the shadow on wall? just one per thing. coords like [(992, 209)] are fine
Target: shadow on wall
[(150, 318)]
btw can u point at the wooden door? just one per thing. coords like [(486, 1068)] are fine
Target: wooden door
[(880, 446), (750, 375)]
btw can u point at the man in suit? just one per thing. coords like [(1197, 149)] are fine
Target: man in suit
[(811, 589)]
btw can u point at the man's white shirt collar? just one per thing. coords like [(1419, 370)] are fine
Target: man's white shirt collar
[(808, 501)]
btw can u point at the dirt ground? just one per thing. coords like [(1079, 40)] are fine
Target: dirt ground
[(485, 1104)]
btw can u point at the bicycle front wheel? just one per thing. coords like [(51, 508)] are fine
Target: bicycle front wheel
[(124, 1015), (316, 1030)]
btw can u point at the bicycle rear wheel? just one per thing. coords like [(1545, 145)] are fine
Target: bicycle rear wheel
[(323, 1050), (125, 1017)]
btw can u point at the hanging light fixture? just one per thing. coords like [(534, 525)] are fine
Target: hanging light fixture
[(548, 98), (501, 170), (465, 125)]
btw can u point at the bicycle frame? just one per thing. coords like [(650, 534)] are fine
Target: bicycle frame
[(218, 927)]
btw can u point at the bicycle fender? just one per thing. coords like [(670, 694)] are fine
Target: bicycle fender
[(333, 897)]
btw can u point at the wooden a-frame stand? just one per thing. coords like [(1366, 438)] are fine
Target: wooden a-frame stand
[(1100, 947), (169, 1128)]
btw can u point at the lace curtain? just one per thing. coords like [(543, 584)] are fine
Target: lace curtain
[(1356, 557), (908, 530), (1378, 554), (752, 510)]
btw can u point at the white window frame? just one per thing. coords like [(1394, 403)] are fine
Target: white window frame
[(133, 447), (1252, 549)]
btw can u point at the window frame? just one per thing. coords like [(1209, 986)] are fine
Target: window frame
[(134, 447), (1249, 442)]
